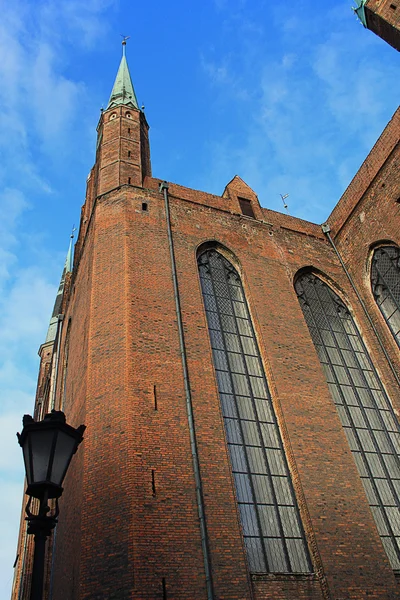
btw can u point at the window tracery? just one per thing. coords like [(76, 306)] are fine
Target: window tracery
[(385, 282), (366, 414), (272, 529)]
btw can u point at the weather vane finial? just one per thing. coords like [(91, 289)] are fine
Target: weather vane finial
[(124, 38)]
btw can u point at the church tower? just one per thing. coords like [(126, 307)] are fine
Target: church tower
[(123, 143), (383, 18), (237, 371)]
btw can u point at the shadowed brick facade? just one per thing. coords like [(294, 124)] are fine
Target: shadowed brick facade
[(383, 18), (129, 520)]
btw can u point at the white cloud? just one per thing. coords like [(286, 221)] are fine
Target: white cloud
[(12, 205), (10, 451), (55, 98), (27, 307), (303, 114), (11, 504)]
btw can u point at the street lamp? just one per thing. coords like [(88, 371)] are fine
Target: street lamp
[(48, 447)]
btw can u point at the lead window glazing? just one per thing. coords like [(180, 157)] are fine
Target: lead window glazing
[(272, 529), (365, 411), (385, 281)]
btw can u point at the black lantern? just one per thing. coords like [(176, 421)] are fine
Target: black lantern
[(48, 447)]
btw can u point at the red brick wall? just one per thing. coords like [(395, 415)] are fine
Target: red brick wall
[(122, 130), (124, 341), (323, 468), (68, 549)]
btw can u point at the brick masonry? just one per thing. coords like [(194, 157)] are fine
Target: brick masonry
[(129, 523), (383, 18)]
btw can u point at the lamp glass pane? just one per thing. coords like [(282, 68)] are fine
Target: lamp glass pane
[(27, 461), (41, 441), (64, 450)]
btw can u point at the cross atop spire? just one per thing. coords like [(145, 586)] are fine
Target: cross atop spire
[(123, 92), (124, 38)]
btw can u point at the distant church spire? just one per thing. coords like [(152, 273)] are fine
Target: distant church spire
[(52, 330), (123, 92)]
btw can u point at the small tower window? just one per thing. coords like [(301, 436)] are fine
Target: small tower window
[(129, 130), (129, 179), (246, 208), (128, 115), (144, 206), (129, 153), (393, 6), (113, 116)]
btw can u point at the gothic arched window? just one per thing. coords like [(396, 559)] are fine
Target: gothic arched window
[(272, 529), (385, 281), (365, 411)]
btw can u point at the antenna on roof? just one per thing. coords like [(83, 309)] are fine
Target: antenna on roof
[(285, 206)]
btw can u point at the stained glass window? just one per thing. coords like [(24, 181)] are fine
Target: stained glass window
[(272, 529), (385, 281), (368, 419)]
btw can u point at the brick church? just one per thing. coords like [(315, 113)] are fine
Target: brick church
[(238, 372)]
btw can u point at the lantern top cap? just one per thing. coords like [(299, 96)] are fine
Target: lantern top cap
[(55, 415), (53, 420), (27, 419)]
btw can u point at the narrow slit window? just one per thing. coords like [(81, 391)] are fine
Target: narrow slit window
[(385, 283), (129, 153), (155, 397), (365, 411), (271, 524), (246, 207), (129, 179), (144, 206)]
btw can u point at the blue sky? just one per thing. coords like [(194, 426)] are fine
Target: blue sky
[(290, 96)]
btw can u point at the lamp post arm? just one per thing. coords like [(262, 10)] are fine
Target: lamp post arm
[(38, 566), (41, 526)]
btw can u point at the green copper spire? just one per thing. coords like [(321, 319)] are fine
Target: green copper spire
[(123, 92), (52, 330), (360, 11)]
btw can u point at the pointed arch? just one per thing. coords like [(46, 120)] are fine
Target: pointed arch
[(385, 284), (364, 408), (271, 524), (221, 249)]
